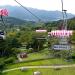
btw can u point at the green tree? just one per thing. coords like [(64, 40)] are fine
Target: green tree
[(72, 38)]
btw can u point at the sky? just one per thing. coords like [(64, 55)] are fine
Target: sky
[(50, 5)]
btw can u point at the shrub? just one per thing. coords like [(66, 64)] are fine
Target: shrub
[(2, 65), (9, 60)]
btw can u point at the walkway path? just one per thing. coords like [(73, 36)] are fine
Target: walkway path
[(30, 67)]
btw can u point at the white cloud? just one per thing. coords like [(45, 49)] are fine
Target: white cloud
[(44, 4)]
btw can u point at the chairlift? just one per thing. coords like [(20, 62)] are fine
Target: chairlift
[(3, 12)]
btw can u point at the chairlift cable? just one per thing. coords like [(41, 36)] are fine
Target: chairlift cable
[(27, 10)]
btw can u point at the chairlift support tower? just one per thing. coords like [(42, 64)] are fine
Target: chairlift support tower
[(63, 44)]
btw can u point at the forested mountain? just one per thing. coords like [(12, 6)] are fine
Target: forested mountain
[(19, 12)]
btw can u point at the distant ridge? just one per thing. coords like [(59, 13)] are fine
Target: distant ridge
[(19, 12)]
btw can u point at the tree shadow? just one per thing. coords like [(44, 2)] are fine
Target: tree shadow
[(2, 73)]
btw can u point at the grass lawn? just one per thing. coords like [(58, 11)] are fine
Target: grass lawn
[(62, 71), (37, 63), (38, 55)]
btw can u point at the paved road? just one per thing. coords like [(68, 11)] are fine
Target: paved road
[(30, 67)]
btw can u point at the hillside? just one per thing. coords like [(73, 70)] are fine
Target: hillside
[(11, 21)]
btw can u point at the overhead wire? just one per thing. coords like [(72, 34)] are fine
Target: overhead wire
[(28, 10)]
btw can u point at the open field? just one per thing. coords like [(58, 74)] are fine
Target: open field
[(40, 63), (37, 55), (62, 71), (45, 62)]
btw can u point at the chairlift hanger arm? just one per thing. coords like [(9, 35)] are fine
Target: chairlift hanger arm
[(62, 10), (2, 20), (27, 10)]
